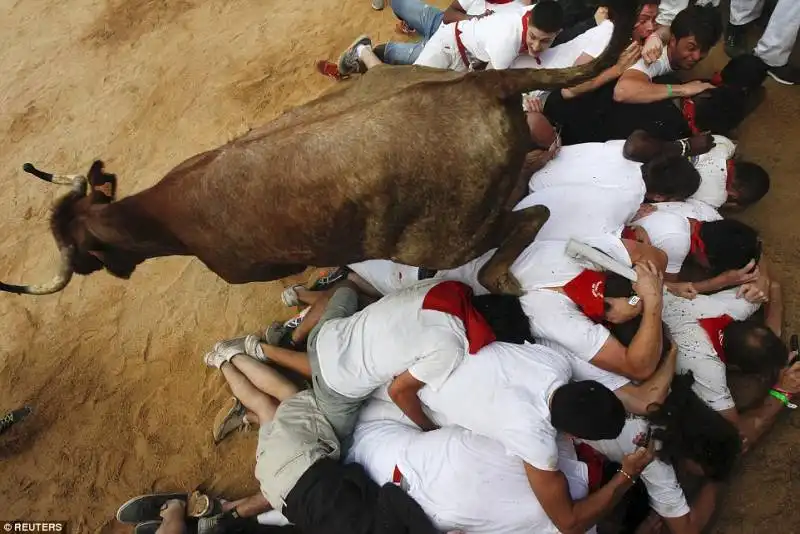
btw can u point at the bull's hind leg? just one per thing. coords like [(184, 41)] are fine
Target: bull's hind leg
[(496, 275)]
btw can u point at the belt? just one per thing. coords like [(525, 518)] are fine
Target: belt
[(399, 480)]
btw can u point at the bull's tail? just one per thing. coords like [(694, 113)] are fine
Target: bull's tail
[(513, 82)]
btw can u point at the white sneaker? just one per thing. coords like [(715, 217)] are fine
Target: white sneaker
[(377, 5), (227, 349)]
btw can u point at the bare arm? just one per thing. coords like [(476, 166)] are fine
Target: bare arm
[(635, 87), (574, 517), (643, 147), (454, 13), (654, 390), (249, 506), (404, 391), (702, 509), (627, 59)]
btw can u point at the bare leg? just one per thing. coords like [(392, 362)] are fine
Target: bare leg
[(496, 275), (363, 286), (315, 313), (173, 518), (265, 378), (291, 359), (249, 506), (253, 398)]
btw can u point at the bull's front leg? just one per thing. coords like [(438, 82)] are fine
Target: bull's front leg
[(523, 226)]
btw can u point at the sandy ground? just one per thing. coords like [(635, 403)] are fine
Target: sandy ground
[(123, 404)]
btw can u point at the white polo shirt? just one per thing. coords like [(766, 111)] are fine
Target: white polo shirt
[(462, 480), (590, 189), (503, 392), (497, 40), (368, 349), (670, 233), (665, 492), (695, 350), (713, 169)]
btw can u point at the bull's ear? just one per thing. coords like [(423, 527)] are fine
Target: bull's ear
[(102, 186)]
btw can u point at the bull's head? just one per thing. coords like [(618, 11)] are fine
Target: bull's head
[(81, 252)]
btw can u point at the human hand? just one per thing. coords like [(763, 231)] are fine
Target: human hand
[(695, 87), (682, 289), (532, 103), (649, 284), (628, 58), (636, 462), (600, 15), (652, 48), (485, 14), (700, 143), (789, 378), (736, 277)]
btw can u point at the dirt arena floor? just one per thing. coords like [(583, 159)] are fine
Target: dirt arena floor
[(123, 404)]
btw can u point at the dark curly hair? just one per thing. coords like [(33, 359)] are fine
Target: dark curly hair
[(690, 429)]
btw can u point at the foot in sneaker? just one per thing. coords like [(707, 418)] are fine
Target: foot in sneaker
[(289, 296), (329, 278), (787, 75), (349, 62), (227, 349), (377, 5), (735, 37), (230, 417), (274, 333)]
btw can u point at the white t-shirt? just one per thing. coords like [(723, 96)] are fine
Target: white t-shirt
[(496, 40), (368, 349), (387, 276), (669, 9), (479, 7), (503, 392), (591, 42), (666, 496), (671, 233), (657, 68), (555, 319), (713, 169), (691, 209), (590, 189), (463, 481), (695, 350)]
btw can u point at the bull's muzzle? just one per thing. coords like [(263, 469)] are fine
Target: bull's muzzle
[(64, 275)]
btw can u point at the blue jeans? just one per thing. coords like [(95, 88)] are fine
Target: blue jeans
[(424, 19)]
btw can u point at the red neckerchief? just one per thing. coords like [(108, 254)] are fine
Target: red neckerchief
[(629, 233), (731, 174), (689, 111), (594, 462), (524, 46), (716, 79), (587, 291), (697, 246), (453, 298), (715, 329)]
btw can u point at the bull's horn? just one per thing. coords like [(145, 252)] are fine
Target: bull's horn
[(55, 285), (58, 179)]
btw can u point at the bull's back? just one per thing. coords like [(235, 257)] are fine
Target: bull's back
[(420, 175)]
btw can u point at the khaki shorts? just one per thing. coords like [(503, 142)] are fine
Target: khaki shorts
[(296, 439)]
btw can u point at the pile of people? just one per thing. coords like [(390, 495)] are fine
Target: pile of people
[(642, 359)]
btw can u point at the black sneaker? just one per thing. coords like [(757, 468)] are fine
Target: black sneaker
[(13, 417), (735, 37), (787, 75)]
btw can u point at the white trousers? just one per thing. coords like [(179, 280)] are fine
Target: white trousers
[(778, 40)]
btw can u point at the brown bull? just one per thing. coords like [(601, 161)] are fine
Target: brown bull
[(418, 165)]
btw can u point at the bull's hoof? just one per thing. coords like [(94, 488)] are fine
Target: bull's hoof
[(503, 283)]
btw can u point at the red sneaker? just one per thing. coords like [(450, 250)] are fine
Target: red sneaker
[(331, 70), (403, 28)]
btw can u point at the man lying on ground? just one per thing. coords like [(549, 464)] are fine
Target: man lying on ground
[(297, 461), (467, 481), (635, 101), (715, 332), (411, 339)]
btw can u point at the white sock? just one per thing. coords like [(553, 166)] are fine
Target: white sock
[(361, 48)]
